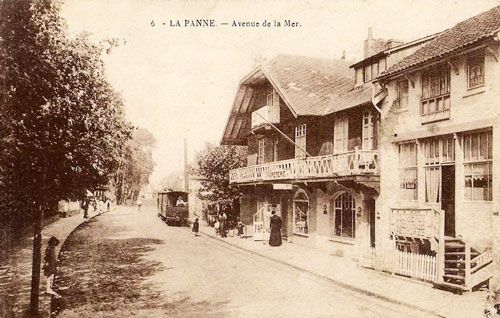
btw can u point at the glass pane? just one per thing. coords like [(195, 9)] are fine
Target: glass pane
[(425, 86), (338, 222), (467, 147), (474, 147), (347, 223), (490, 145), (483, 146), (446, 103)]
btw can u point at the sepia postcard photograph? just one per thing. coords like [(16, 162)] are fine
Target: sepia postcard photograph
[(249, 159)]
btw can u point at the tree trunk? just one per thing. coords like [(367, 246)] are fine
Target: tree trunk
[(37, 259)]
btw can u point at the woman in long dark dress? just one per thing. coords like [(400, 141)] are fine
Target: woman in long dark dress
[(275, 237)]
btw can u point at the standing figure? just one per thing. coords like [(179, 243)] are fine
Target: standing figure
[(196, 227), (241, 229), (108, 205), (275, 237), (49, 266), (139, 204), (85, 206), (222, 224)]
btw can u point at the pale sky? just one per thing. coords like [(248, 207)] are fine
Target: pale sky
[(178, 81)]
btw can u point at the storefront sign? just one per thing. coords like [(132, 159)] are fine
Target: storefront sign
[(282, 186), (412, 223)]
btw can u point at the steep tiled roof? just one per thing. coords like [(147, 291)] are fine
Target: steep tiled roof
[(357, 96), (465, 33), (308, 83)]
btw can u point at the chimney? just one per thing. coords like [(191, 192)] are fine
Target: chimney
[(373, 46)]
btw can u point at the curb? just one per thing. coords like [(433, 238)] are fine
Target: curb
[(336, 282), (85, 221)]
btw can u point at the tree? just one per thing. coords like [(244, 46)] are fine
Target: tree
[(65, 127), (214, 163), (173, 181), (136, 166)]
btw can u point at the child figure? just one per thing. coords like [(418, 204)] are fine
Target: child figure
[(196, 227), (216, 226), (240, 228), (49, 266)]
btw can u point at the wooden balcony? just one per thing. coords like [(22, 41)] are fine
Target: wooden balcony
[(264, 115), (357, 162), (435, 109)]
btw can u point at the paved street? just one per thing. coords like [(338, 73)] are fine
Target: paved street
[(127, 263)]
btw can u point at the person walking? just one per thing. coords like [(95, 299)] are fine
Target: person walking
[(108, 205), (275, 236), (50, 264), (196, 227)]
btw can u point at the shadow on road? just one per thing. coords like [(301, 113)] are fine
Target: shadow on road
[(103, 273)]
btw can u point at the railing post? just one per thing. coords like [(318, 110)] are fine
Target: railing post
[(467, 267), (441, 248), (355, 161)]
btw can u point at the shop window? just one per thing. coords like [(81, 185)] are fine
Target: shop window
[(345, 216), (478, 166), (475, 70), (301, 213), (408, 171)]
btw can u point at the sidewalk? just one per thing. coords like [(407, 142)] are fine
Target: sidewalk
[(15, 271), (348, 274)]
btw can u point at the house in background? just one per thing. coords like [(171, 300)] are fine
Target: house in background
[(439, 185)]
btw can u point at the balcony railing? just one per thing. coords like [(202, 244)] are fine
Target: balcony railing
[(435, 109), (357, 162), (264, 115)]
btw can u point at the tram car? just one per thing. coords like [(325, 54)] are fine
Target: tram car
[(173, 207)]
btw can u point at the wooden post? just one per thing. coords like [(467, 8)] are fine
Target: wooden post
[(467, 267), (355, 161), (441, 248)]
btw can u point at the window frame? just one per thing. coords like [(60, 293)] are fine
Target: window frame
[(296, 198), (301, 140), (261, 150), (399, 82), (404, 167), (480, 55), (469, 161), (367, 68), (338, 209)]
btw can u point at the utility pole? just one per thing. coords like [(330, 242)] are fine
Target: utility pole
[(186, 177)]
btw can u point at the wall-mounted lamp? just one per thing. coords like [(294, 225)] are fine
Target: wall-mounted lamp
[(360, 211)]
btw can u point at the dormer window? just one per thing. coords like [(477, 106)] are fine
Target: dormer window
[(367, 73), (475, 70)]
